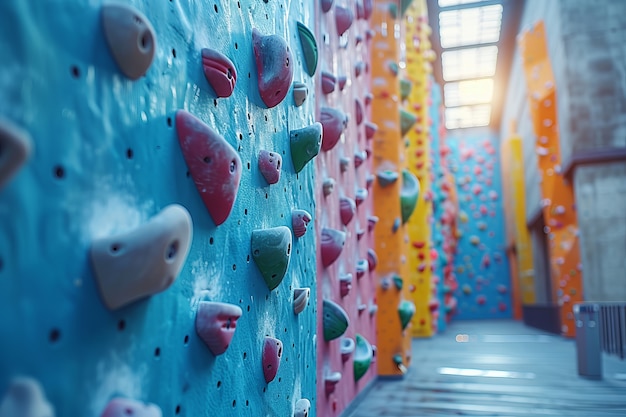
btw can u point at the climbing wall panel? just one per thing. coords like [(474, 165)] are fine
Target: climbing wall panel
[(111, 150), (443, 222), (346, 363), (559, 210), (484, 285), (517, 232), (388, 149), (419, 163)]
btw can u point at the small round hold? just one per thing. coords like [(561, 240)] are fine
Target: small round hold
[(131, 38)]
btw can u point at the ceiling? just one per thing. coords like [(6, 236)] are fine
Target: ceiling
[(474, 41)]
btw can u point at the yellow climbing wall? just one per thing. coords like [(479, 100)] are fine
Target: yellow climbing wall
[(557, 194), (514, 194), (419, 163), (387, 149)]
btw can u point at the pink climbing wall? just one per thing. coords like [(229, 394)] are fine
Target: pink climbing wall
[(339, 54)]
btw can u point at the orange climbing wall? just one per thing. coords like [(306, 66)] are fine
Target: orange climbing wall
[(557, 194), (419, 162), (387, 151)]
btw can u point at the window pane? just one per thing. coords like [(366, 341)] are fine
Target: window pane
[(468, 116), (469, 63), (468, 92), (446, 3), (471, 26)]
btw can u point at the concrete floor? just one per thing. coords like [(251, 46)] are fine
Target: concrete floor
[(503, 369)]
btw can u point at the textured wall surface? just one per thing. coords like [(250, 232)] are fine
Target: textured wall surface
[(418, 71), (600, 194), (338, 56), (516, 105), (106, 158), (558, 202), (481, 264), (593, 109)]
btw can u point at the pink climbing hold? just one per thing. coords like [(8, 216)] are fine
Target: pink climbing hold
[(347, 209), (123, 407), (343, 19), (371, 223), (219, 71), (360, 196), (326, 5), (358, 111), (345, 284), (269, 165), (213, 164), (272, 352), (359, 68), (486, 261), (342, 80), (274, 67), (299, 221), (328, 82), (372, 259), (369, 97), (364, 9), (331, 381), (333, 123), (332, 242), (481, 300), (370, 130), (216, 324), (359, 158), (362, 266)]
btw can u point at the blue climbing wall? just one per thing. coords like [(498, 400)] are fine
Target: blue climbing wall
[(481, 265), (106, 158)]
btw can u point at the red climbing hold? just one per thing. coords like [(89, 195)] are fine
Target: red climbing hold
[(213, 164)]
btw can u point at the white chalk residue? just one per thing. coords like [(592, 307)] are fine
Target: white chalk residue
[(297, 391), (206, 283), (117, 213), (267, 325), (116, 378)]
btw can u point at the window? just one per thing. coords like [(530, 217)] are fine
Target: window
[(469, 63), (468, 38), (466, 92), (470, 26)]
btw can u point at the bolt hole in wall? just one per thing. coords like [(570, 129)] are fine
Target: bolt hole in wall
[(101, 194)]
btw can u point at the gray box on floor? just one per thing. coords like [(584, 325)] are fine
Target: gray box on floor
[(588, 350)]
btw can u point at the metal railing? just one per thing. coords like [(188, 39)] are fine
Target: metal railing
[(600, 327), (613, 328)]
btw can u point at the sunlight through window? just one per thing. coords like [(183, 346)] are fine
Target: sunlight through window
[(469, 37)]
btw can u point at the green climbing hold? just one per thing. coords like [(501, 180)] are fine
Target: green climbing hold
[(309, 47), (408, 194), (397, 359), (271, 251), (398, 282), (386, 177), (405, 88), (393, 67), (363, 355), (404, 5), (407, 120), (406, 309), (305, 144), (393, 10), (335, 320)]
